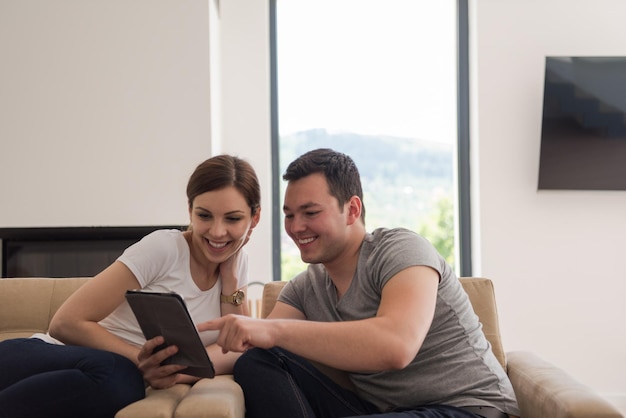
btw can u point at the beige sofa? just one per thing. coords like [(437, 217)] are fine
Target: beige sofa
[(27, 306), (543, 390)]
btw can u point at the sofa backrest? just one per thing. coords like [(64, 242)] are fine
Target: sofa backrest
[(270, 294), (28, 304), (479, 290), (483, 298)]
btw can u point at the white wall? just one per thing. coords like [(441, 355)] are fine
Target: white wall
[(105, 109), (557, 257)]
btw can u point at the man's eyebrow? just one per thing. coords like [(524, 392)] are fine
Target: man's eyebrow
[(304, 206)]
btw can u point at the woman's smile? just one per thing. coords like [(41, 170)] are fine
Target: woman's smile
[(217, 246)]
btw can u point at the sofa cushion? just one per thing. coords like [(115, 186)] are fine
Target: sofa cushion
[(219, 397), (159, 403)]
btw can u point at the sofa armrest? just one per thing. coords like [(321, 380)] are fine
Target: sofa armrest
[(545, 391)]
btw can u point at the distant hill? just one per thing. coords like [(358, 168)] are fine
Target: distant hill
[(376, 156)]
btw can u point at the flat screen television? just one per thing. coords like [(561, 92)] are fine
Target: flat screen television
[(583, 132)]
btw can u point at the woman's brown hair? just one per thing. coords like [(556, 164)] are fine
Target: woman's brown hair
[(223, 171)]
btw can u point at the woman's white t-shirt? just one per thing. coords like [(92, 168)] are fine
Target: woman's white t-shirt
[(161, 263)]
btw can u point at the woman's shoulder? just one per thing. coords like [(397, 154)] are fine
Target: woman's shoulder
[(159, 244), (166, 234), (164, 237), (156, 254)]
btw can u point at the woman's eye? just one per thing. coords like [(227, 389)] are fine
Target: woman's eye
[(234, 219), (203, 215)]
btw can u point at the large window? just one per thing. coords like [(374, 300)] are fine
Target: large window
[(378, 81)]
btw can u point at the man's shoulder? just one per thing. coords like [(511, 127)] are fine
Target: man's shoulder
[(387, 232), (309, 282), (312, 274), (391, 236), (393, 247)]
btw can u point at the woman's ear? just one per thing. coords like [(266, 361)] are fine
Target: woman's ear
[(255, 218), (190, 220)]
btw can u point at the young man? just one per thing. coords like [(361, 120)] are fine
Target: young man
[(383, 306)]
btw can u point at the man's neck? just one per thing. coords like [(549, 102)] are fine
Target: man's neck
[(341, 270)]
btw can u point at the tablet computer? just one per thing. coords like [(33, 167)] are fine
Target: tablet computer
[(166, 314)]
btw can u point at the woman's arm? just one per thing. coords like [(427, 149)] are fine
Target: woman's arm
[(76, 321)]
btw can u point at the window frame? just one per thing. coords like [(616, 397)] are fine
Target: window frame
[(463, 142)]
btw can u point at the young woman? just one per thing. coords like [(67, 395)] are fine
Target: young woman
[(95, 359)]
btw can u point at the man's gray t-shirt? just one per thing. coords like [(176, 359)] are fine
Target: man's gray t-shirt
[(455, 365)]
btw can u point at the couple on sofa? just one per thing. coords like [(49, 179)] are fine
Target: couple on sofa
[(383, 306)]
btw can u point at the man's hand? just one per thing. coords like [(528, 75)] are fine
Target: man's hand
[(149, 363), (240, 333)]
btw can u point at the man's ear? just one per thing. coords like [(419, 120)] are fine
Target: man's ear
[(354, 209)]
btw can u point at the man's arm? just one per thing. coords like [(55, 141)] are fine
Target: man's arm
[(390, 340), (283, 310)]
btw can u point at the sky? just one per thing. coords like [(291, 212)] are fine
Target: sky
[(368, 67)]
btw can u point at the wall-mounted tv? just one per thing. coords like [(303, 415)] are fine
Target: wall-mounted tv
[(583, 133)]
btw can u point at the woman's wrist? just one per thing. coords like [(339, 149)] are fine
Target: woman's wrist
[(229, 286), (229, 290), (236, 298)]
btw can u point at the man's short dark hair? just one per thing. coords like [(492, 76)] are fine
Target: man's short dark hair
[(342, 175)]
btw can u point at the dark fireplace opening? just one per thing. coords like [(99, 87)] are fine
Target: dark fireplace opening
[(66, 251)]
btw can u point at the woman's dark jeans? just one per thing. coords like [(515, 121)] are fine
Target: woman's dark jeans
[(277, 383), (38, 379)]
